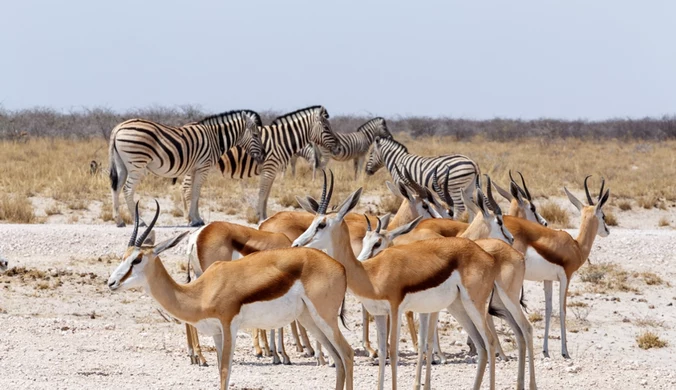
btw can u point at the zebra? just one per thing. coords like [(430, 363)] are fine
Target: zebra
[(353, 146), (284, 137), (138, 145), (313, 155), (462, 171)]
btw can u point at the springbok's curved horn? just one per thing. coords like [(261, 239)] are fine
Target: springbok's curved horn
[(524, 186), (414, 184), (435, 184), (586, 191), (368, 223), (134, 232), (491, 200), (603, 183), (143, 237), (518, 187), (379, 225), (326, 194), (321, 199)]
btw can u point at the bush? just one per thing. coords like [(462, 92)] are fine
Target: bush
[(555, 214), (648, 339), (16, 209)]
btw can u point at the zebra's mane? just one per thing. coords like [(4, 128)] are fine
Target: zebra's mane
[(257, 118), (371, 121), (279, 120), (393, 142)]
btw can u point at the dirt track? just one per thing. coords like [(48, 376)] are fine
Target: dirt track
[(60, 327)]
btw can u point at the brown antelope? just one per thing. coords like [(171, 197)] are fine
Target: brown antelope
[(451, 273), (511, 265), (554, 255), (225, 241), (520, 201), (266, 290)]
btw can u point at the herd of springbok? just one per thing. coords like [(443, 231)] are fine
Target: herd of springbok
[(297, 267)]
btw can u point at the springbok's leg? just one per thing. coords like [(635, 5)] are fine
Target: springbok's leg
[(381, 327), (411, 329), (366, 343), (395, 330), (258, 352), (296, 338), (548, 316), (306, 341), (227, 348), (273, 348), (282, 350), (424, 319), (434, 317), (563, 292)]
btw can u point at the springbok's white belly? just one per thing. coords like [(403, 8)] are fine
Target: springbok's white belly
[(537, 268), (209, 326), (375, 307), (433, 299), (274, 313)]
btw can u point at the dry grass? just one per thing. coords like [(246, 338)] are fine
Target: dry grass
[(624, 205), (554, 214), (580, 310), (54, 209), (389, 204), (651, 278), (606, 277), (648, 339), (535, 317), (611, 219), (16, 209), (664, 221), (288, 199), (59, 169)]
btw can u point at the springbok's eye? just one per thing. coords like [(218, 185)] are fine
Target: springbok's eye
[(321, 225), (137, 261), (376, 245), (425, 206)]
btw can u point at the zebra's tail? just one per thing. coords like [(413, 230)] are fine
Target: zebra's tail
[(112, 168)]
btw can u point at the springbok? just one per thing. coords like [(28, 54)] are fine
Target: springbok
[(423, 277), (265, 290), (554, 255)]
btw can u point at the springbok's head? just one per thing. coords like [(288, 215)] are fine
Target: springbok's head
[(327, 228), (4, 264), (521, 202), (250, 140), (592, 211), (380, 239), (486, 224), (140, 252)]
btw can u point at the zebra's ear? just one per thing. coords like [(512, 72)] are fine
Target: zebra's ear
[(307, 205)]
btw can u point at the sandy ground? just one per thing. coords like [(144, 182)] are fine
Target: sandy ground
[(61, 328)]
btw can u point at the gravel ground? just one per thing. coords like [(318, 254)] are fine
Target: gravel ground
[(61, 328)]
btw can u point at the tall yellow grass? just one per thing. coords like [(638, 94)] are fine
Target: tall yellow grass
[(59, 169)]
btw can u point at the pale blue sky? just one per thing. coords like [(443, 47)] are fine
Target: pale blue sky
[(475, 59)]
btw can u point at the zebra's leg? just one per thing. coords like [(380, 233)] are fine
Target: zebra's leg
[(129, 187), (186, 192), (121, 171), (267, 178), (292, 162), (360, 166), (197, 180), (356, 168)]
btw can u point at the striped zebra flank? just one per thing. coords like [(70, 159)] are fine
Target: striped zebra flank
[(138, 146), (462, 171), (352, 146), (283, 138)]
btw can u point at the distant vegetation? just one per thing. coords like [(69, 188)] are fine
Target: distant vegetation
[(83, 123)]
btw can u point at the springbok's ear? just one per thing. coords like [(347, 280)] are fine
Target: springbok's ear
[(405, 228), (385, 220), (575, 201), (481, 201), (170, 243), (307, 205), (150, 240), (405, 192), (349, 203), (603, 199), (503, 192), (393, 189)]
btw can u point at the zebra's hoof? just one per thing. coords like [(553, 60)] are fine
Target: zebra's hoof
[(197, 223)]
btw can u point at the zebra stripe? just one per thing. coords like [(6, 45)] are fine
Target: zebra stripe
[(139, 145), (391, 153), (283, 138), (352, 146)]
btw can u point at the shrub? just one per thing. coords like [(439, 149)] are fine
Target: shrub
[(555, 214), (648, 339), (16, 209)]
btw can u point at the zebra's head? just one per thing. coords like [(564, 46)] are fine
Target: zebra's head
[(381, 130), (320, 131), (375, 160), (251, 139)]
